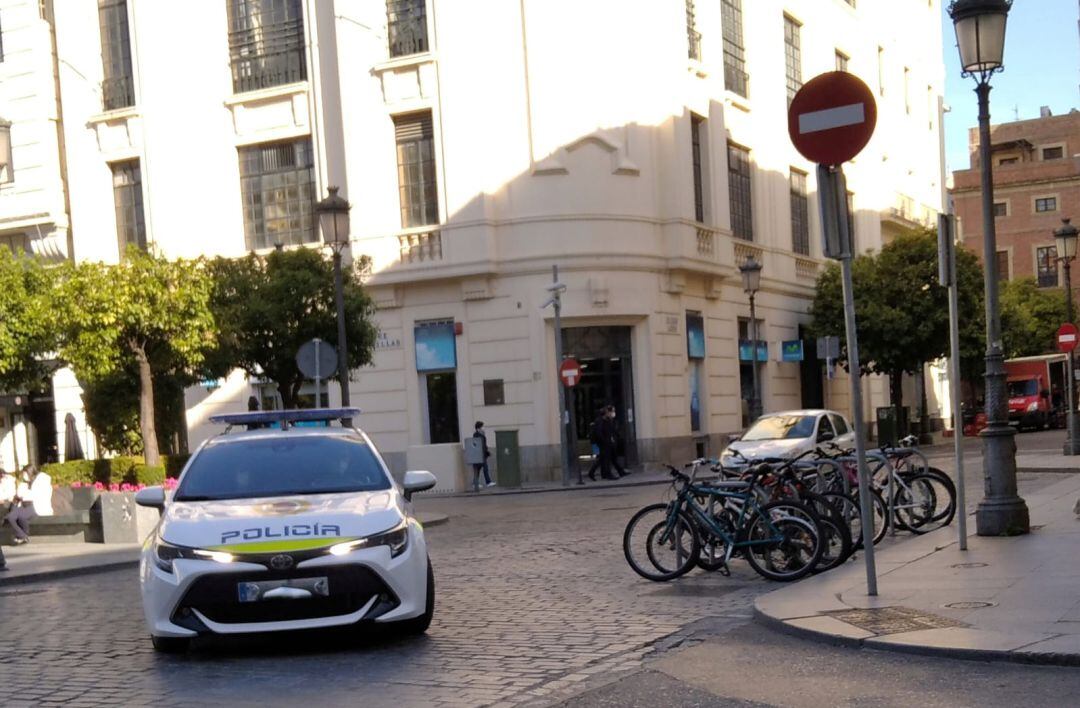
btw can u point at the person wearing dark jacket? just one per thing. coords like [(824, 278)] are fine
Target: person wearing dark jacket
[(605, 435), (479, 433)]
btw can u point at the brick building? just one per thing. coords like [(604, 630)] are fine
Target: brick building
[(1036, 185)]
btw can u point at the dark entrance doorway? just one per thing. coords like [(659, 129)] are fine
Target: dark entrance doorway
[(605, 355), (810, 373)]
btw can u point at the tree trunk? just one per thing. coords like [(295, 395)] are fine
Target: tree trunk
[(284, 390), (146, 407), (896, 389)]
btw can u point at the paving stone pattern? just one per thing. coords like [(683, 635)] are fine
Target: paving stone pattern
[(534, 597)]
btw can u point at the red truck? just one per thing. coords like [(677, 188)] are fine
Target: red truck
[(1036, 391)]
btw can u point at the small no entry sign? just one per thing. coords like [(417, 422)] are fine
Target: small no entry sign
[(832, 118), (570, 372), (1066, 337)]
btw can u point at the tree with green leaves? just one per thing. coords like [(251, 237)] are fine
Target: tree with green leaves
[(27, 331), (267, 306), (1030, 317), (902, 311), (147, 314)]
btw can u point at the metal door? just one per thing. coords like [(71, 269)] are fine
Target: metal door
[(507, 458)]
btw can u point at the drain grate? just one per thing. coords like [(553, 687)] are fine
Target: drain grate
[(893, 620), (969, 605), (969, 565)]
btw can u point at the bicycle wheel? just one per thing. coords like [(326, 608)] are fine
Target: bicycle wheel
[(838, 542), (783, 542), (712, 553), (848, 507), (925, 504), (660, 545)]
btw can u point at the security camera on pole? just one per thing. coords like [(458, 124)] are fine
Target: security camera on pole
[(830, 121)]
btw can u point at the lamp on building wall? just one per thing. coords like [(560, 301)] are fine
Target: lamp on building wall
[(1065, 238), (334, 221), (980, 37), (751, 276)]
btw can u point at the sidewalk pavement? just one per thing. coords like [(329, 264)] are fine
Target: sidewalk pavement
[(1026, 460), (1012, 599), (48, 561)]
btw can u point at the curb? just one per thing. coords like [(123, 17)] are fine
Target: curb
[(427, 520), (66, 572), (1013, 657), (545, 490)]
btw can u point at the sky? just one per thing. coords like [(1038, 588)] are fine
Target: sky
[(1042, 68)]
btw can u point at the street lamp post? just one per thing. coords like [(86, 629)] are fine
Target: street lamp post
[(1065, 238), (980, 37), (334, 221), (751, 275)]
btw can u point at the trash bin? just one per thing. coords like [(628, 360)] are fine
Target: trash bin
[(892, 424)]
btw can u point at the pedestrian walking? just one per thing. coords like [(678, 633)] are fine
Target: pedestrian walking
[(483, 466), (602, 435), (33, 497)]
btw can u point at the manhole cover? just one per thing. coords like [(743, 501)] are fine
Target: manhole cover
[(969, 565), (969, 605), (893, 620)]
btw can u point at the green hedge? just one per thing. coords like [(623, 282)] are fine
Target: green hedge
[(115, 470)]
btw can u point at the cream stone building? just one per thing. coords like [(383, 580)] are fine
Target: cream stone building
[(640, 147)]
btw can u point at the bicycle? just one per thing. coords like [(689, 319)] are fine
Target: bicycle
[(781, 540)]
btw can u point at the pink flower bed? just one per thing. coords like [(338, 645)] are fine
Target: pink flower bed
[(170, 483)]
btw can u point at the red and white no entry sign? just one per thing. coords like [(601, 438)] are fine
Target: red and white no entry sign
[(832, 118), (570, 372), (1066, 337)]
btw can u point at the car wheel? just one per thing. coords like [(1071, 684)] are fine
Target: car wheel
[(419, 625), (170, 645)]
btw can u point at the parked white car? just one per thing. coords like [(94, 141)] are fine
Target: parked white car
[(789, 434), (284, 526)]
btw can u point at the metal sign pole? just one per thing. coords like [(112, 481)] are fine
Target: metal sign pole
[(318, 346), (832, 192), (564, 438), (947, 273)]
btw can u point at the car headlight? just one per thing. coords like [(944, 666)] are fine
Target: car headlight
[(1033, 407), (396, 538), (165, 553)]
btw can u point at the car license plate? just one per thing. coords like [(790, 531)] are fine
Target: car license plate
[(291, 589)]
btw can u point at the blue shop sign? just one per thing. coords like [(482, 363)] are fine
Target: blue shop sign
[(791, 350), (746, 350)]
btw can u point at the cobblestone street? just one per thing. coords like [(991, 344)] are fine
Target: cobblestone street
[(532, 594), (535, 604)]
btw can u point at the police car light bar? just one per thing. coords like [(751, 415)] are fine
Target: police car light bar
[(284, 418)]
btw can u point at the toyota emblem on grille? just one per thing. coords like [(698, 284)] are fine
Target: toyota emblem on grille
[(281, 562)]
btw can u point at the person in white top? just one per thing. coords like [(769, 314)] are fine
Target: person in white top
[(33, 497)]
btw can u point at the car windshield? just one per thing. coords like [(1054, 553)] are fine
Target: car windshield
[(1030, 387), (779, 427), (281, 466)]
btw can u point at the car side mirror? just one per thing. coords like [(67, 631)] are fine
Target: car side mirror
[(825, 436), (734, 438), (1045, 393), (417, 481), (153, 497)]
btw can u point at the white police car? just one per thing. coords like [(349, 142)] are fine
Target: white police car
[(282, 526)]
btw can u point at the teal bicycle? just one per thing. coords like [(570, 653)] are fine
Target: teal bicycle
[(781, 540)]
